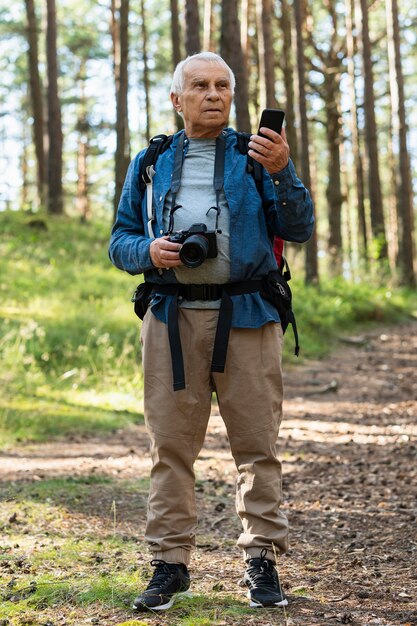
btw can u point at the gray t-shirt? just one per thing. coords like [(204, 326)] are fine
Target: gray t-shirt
[(196, 195)]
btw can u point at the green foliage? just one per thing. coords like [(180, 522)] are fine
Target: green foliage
[(62, 548), (377, 246), (337, 307), (68, 336), (62, 300), (24, 416), (61, 545), (117, 589)]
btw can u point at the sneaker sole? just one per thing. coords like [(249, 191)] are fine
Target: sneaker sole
[(257, 605), (164, 607)]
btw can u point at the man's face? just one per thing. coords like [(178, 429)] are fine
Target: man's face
[(206, 98)]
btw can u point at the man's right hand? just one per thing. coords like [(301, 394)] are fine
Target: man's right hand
[(165, 253)]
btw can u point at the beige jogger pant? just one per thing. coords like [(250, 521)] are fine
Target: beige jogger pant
[(249, 394)]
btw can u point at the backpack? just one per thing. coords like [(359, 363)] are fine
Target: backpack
[(277, 289)]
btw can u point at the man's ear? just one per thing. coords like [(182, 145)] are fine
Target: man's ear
[(175, 102)]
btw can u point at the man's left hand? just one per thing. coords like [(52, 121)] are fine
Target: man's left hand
[(271, 152)]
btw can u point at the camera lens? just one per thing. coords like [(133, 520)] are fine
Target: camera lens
[(194, 250)]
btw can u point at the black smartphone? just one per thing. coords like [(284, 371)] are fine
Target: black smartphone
[(273, 119)]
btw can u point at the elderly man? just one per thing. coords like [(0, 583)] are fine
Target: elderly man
[(208, 328)]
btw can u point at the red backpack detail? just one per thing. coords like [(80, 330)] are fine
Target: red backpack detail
[(278, 250)]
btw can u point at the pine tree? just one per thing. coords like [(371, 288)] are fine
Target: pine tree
[(403, 175), (36, 96), (55, 192)]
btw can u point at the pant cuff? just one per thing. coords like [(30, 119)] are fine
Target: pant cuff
[(255, 553), (175, 555)]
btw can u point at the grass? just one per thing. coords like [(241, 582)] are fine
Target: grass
[(62, 545), (63, 555), (68, 337), (334, 308), (46, 418), (70, 341)]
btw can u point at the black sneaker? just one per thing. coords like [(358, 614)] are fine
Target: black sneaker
[(261, 578), (168, 581)]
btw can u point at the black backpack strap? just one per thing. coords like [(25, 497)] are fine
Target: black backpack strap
[(253, 168), (177, 359), (223, 325), (285, 269), (291, 320), (224, 322), (157, 145)]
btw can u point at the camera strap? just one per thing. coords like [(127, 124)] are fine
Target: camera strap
[(218, 177), (176, 180)]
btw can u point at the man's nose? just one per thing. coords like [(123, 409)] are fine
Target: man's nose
[(212, 93)]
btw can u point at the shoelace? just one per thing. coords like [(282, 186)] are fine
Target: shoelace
[(261, 573), (162, 572)]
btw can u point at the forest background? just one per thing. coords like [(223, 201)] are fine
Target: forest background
[(83, 87), (86, 84)]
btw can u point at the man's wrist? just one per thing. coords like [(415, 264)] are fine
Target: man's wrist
[(284, 176)]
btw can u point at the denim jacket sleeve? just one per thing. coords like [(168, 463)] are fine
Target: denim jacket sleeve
[(129, 248), (290, 209)]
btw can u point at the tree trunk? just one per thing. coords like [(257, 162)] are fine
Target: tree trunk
[(24, 203), (253, 59), (266, 50), (55, 194), (36, 100), (349, 249), (208, 39), (120, 21), (260, 55), (288, 70), (375, 194), (403, 175), (146, 82), (332, 68), (334, 186), (329, 63), (244, 26), (359, 194), (82, 204), (192, 27), (311, 269), (391, 203), (231, 51), (175, 33), (176, 51)]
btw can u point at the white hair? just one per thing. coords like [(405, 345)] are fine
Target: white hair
[(177, 85)]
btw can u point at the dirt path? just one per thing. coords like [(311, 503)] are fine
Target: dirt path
[(348, 444)]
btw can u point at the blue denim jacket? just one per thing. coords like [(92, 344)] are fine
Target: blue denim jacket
[(286, 205)]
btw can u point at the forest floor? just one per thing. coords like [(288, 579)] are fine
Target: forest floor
[(348, 444)]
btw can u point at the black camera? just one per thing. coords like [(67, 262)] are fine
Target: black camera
[(198, 244)]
